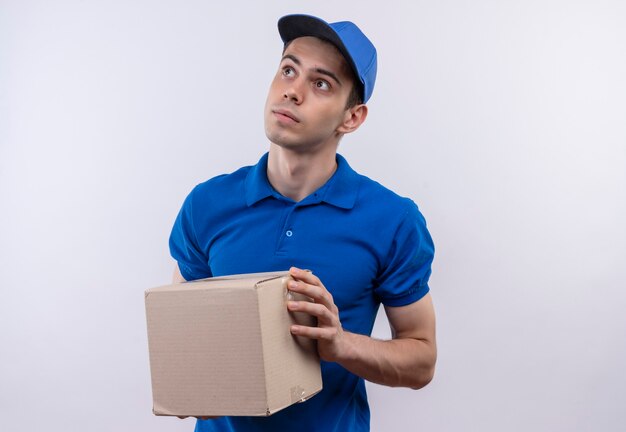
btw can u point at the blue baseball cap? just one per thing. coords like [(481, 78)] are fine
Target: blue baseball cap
[(356, 48)]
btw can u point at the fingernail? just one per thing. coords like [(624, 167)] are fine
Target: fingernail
[(292, 305), (295, 329)]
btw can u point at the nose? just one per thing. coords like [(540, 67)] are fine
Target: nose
[(294, 92)]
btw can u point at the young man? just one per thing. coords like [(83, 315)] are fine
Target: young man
[(303, 207)]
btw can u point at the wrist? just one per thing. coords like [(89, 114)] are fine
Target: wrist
[(347, 352)]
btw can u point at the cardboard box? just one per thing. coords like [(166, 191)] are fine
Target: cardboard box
[(222, 346)]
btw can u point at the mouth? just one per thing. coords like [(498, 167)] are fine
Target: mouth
[(285, 115)]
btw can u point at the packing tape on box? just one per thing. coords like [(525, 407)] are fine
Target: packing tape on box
[(297, 394)]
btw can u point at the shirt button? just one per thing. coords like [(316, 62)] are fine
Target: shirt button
[(289, 233)]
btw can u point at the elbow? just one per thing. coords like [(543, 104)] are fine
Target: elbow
[(425, 370), (423, 378)]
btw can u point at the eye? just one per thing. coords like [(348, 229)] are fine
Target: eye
[(288, 71), (322, 85)]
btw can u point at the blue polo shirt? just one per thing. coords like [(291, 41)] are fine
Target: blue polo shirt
[(366, 244)]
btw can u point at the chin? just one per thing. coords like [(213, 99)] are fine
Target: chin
[(280, 138)]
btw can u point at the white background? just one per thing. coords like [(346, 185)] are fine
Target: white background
[(505, 121)]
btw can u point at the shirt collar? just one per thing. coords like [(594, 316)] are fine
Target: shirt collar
[(343, 186), (257, 185), (340, 190)]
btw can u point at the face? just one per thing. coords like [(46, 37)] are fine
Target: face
[(306, 105)]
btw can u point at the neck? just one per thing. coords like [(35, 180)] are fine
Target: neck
[(297, 175)]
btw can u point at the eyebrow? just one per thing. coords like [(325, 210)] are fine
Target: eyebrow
[(297, 61)]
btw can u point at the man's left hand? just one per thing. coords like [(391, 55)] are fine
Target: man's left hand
[(331, 340)]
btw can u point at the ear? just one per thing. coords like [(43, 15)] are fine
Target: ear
[(353, 118)]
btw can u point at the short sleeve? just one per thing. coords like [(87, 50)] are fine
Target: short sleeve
[(404, 277), (184, 248)]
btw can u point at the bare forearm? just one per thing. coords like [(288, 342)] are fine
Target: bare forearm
[(397, 362)]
